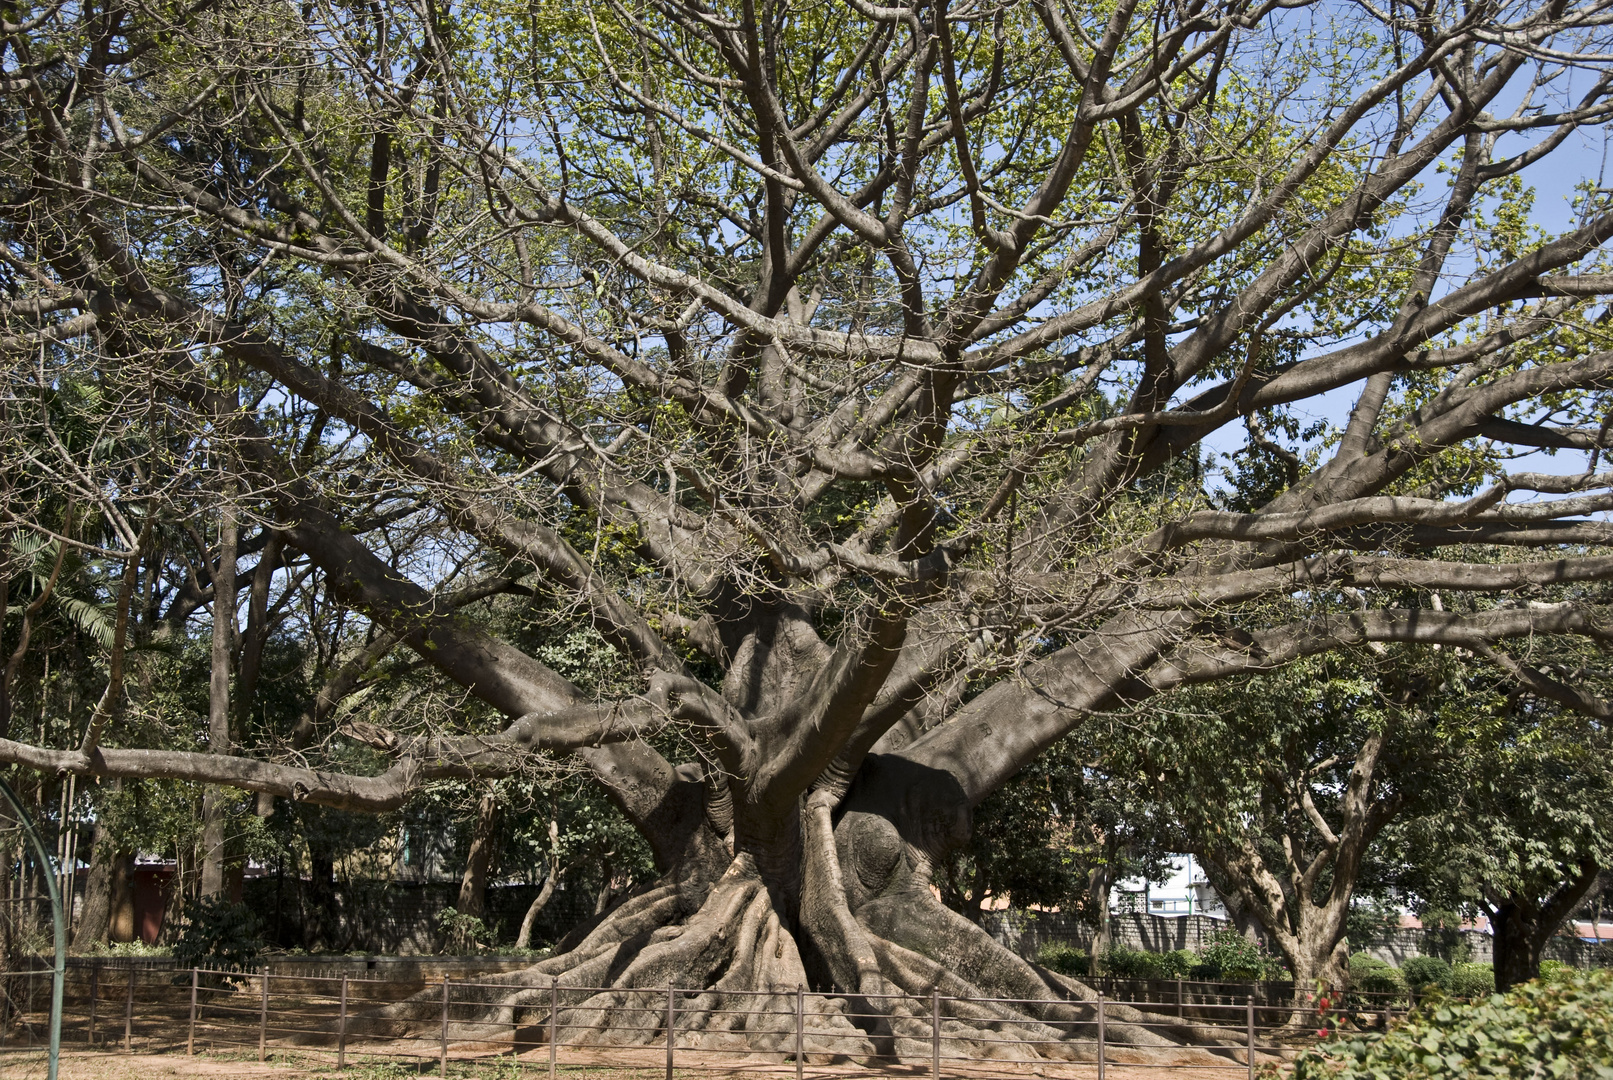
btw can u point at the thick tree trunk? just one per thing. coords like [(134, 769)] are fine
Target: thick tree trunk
[(855, 914), (1517, 944), (109, 874), (1100, 886), (322, 927), (1521, 924), (1320, 961), (479, 860), (121, 926)]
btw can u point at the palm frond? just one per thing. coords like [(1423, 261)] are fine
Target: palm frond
[(90, 618)]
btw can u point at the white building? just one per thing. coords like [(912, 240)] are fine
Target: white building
[(1186, 891)]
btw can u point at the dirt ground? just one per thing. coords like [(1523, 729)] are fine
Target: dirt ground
[(82, 1065)]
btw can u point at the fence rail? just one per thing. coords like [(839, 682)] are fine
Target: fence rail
[(543, 1022)]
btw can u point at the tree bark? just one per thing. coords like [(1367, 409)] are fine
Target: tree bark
[(551, 879), (1521, 924), (1100, 885), (480, 859), (523, 938), (214, 822), (1319, 956), (106, 866), (321, 929), (121, 925)]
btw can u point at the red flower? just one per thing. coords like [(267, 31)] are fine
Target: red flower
[(1321, 1033)]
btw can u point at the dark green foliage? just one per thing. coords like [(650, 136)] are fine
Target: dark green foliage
[(1555, 969), (1136, 964), (1059, 835), (1374, 982), (1230, 955), (1064, 959), (1370, 920), (1472, 980), (1555, 1029), (218, 934), (462, 935), (1426, 972)]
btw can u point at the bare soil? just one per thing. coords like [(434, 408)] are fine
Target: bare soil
[(88, 1065)]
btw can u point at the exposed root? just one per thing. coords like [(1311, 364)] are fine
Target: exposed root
[(726, 954), (733, 952)]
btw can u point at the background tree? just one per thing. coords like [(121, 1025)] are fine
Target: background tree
[(1060, 835), (1283, 782), (1520, 829), (837, 366)]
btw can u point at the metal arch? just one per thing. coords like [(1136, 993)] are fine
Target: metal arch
[(48, 864)]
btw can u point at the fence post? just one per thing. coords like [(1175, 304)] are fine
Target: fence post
[(128, 1014), (190, 1035), (671, 1029), (935, 1033), (1179, 1013), (341, 1031), (554, 1021), (1100, 1036), (263, 1019), (800, 1026), (1251, 1037), (445, 982), (95, 990)]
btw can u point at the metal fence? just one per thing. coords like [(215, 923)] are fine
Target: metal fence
[(147, 1008)]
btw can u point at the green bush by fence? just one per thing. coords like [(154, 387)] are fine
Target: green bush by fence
[(1383, 981), (1065, 959), (1560, 1027)]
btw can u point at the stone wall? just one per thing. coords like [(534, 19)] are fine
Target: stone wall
[(1026, 932)]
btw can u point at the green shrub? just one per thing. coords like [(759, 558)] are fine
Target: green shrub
[(1426, 972), (1373, 982), (1179, 964), (218, 934), (1539, 1029), (462, 934), (1126, 963), (1230, 955), (1064, 959), (1552, 970), (1472, 980)]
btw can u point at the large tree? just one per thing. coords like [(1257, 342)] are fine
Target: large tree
[(845, 368)]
